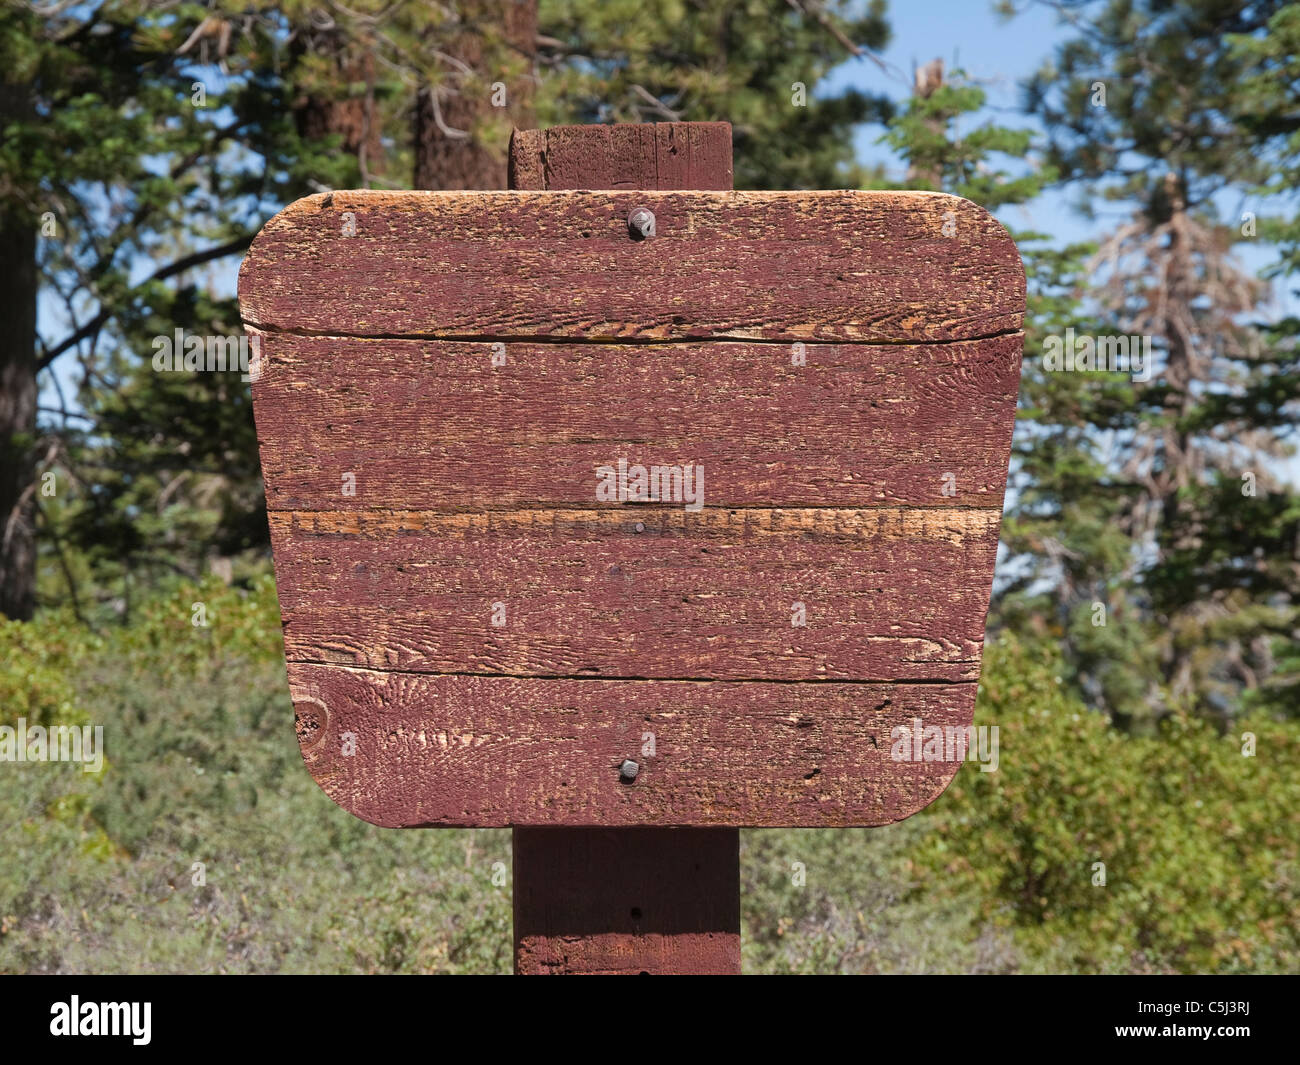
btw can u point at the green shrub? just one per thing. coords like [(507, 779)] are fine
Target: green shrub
[(38, 662), (203, 767), (1200, 843)]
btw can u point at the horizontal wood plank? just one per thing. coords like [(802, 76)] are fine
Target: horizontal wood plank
[(495, 751), (423, 424), (641, 592), (833, 266)]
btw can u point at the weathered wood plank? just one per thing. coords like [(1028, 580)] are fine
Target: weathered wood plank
[(838, 426), (641, 592), (479, 750), (833, 266), (643, 155), (627, 901)]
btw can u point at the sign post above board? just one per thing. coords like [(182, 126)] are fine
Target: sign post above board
[(632, 508)]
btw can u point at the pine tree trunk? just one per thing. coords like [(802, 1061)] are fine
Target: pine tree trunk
[(17, 397), (449, 151), (1180, 458), (354, 119), (17, 416)]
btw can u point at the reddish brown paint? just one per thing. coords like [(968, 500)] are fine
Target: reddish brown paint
[(865, 482), (627, 901), (644, 155), (851, 426), (784, 266), (494, 750), (642, 592)]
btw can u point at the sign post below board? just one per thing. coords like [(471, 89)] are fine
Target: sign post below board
[(626, 900)]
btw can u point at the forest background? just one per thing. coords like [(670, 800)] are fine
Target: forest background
[(1143, 660)]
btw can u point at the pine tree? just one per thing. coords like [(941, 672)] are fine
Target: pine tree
[(1145, 107), (754, 64)]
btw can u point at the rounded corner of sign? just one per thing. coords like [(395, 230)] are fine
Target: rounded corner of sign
[(302, 205), (347, 800), (943, 784), (342, 799), (242, 290), (970, 207), (312, 728)]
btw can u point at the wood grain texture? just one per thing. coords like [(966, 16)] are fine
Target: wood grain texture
[(643, 155), (626, 901), (862, 479), (651, 592), (790, 266), (492, 750), (852, 426)]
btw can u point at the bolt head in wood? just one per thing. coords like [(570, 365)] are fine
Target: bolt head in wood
[(629, 769), (641, 223)]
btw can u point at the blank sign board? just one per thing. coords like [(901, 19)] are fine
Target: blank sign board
[(583, 521)]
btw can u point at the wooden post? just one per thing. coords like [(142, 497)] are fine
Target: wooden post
[(626, 900)]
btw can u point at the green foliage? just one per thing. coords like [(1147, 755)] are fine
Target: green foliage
[(146, 158), (203, 766), (38, 661), (847, 901), (926, 133), (1201, 853), (734, 60)]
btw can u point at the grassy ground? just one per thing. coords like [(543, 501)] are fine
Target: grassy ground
[(204, 845)]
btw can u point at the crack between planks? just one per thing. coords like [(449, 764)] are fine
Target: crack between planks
[(603, 341), (647, 508), (656, 680)]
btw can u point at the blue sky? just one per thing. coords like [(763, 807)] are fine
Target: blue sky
[(998, 54), (995, 52)]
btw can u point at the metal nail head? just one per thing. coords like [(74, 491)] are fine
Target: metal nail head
[(629, 769), (641, 223)]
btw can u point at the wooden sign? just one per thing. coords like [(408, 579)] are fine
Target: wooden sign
[(581, 518)]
